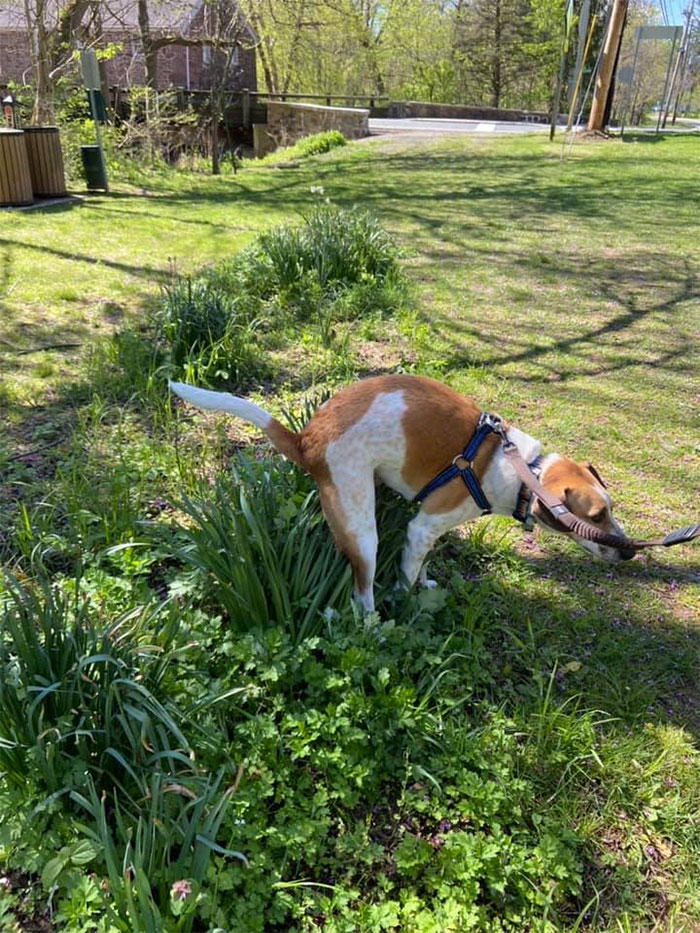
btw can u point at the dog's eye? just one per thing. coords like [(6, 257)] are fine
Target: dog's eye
[(598, 517)]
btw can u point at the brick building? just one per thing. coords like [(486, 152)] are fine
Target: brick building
[(178, 66)]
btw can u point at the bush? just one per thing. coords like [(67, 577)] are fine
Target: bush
[(336, 266), (211, 334), (309, 146), (75, 696), (339, 248), (81, 721), (266, 553), (337, 262), (319, 143)]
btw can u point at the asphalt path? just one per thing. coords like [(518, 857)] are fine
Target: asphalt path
[(437, 127)]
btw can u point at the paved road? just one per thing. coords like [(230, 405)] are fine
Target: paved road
[(437, 127)]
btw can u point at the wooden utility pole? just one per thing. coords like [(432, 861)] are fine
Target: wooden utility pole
[(607, 65)]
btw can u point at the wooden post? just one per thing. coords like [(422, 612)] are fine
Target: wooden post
[(610, 47)]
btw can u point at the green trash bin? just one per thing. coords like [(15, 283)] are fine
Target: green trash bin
[(94, 168)]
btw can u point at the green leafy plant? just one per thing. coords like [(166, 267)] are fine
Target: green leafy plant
[(156, 861), (210, 334), (313, 145), (338, 248), (265, 551), (77, 697)]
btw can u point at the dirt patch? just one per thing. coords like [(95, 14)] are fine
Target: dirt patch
[(378, 358)]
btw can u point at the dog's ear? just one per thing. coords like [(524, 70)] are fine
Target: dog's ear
[(592, 469)]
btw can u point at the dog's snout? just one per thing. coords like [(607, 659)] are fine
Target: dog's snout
[(627, 553)]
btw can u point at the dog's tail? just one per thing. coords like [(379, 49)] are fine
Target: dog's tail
[(284, 440)]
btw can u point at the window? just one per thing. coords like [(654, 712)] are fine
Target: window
[(206, 55)]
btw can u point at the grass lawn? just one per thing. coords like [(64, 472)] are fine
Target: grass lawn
[(564, 296)]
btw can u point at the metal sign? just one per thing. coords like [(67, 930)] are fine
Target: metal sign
[(91, 76), (672, 33), (656, 33), (90, 70)]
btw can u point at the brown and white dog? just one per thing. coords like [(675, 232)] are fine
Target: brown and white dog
[(403, 430)]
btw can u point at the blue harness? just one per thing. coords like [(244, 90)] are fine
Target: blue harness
[(487, 424)]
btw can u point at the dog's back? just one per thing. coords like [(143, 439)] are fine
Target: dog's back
[(404, 428)]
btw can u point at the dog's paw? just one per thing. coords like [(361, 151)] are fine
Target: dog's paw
[(428, 584)]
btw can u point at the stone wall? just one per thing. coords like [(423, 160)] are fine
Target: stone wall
[(413, 108), (286, 123)]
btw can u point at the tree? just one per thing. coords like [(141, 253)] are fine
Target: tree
[(470, 51), (53, 32), (508, 50)]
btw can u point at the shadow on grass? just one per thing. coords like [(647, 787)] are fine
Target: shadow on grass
[(148, 272), (627, 298), (632, 136), (136, 216)]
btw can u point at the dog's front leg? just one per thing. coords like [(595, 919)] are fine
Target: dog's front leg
[(423, 532)]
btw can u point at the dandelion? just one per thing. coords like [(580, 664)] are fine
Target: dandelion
[(316, 189)]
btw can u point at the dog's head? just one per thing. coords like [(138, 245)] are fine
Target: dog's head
[(581, 489)]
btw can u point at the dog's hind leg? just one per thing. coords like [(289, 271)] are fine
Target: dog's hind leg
[(351, 518), (423, 531)]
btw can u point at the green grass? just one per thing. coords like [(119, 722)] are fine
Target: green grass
[(521, 744)]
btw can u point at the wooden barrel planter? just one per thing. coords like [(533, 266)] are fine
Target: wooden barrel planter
[(45, 159), (15, 180)]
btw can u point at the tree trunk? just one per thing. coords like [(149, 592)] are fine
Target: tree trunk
[(150, 52), (215, 168), (294, 47), (269, 69), (42, 111), (264, 47), (496, 77)]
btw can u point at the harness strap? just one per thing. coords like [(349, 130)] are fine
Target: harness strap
[(529, 476), (485, 426)]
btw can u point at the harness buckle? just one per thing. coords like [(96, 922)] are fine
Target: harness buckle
[(496, 425), (468, 463), (492, 421)]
